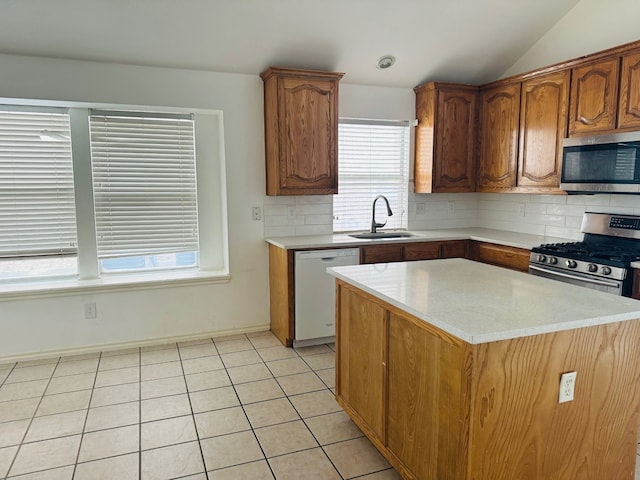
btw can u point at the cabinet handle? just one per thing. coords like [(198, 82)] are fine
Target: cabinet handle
[(586, 121)]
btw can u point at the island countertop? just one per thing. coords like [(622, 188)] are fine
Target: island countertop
[(480, 303)]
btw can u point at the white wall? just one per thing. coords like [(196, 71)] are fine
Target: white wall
[(30, 326), (590, 26)]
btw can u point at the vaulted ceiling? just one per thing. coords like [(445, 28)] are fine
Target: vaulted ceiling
[(471, 41)]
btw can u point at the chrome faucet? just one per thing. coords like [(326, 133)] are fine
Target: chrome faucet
[(374, 224)]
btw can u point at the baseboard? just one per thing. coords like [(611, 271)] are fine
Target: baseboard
[(136, 343)]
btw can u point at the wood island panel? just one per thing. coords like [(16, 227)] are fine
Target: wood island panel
[(281, 306)]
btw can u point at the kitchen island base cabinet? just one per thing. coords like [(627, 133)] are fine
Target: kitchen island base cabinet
[(449, 410)]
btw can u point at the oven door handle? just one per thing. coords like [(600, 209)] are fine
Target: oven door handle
[(573, 277)]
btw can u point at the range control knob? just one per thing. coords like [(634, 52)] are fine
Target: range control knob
[(541, 258), (606, 270), (592, 267), (572, 263), (553, 260)]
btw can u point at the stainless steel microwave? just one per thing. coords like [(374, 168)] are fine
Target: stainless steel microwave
[(601, 164)]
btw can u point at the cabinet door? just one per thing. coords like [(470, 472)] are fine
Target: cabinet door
[(455, 141), (454, 249), (543, 125), (427, 407), (500, 255), (499, 117), (629, 109), (362, 356), (308, 123), (594, 94), (382, 253), (422, 251)]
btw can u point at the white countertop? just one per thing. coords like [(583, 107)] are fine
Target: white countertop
[(500, 237), (480, 303)]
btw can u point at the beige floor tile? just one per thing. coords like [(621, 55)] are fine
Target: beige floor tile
[(278, 352), (202, 364), (228, 346), (229, 450), (356, 457), (321, 361), (112, 416), (221, 422), (160, 370), (171, 462), (89, 365), (197, 341), (158, 346), (332, 428), (163, 387), (255, 471), (287, 366), (314, 463), (315, 403), (214, 399), (18, 409), (164, 407), (197, 476), (259, 391), (106, 378), (127, 392), (332, 346), (301, 383), (18, 391), (4, 374), (267, 339), (159, 356), (109, 443), (270, 412), (389, 474), (38, 361), (12, 433), (199, 350), (285, 438), (328, 376), (119, 361), (58, 425), (249, 373), (64, 402), (124, 467), (61, 473), (172, 431), (58, 452), (228, 338), (6, 457), (71, 383), (313, 350), (238, 359), (26, 374), (207, 380)]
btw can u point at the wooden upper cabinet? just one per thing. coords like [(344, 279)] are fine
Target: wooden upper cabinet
[(543, 126), (499, 118), (301, 131), (445, 138), (629, 106), (594, 95)]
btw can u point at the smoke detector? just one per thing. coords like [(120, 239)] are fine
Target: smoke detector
[(386, 61)]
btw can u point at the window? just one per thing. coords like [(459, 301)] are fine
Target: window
[(37, 206), (87, 192), (373, 159)]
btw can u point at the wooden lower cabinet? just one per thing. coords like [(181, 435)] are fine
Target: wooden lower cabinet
[(439, 408), (500, 255), (401, 252)]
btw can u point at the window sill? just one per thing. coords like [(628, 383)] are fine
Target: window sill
[(110, 283)]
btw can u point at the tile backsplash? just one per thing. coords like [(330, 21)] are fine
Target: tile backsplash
[(551, 215)]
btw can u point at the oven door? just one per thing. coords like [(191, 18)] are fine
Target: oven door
[(576, 278)]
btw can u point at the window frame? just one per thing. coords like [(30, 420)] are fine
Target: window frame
[(211, 205)]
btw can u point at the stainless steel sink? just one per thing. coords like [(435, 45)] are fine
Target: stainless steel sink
[(373, 236)]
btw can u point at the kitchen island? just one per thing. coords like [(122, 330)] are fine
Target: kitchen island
[(452, 368)]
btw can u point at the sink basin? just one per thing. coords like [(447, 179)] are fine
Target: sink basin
[(372, 236)]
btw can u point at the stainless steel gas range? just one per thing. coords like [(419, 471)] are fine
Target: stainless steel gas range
[(602, 259)]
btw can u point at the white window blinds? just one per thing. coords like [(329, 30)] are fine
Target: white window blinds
[(373, 159), (144, 180), (37, 206)]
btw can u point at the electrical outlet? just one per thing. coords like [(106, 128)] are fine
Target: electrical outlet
[(521, 209), (420, 208), (256, 213), (567, 386), (89, 311), (451, 208), (291, 215)]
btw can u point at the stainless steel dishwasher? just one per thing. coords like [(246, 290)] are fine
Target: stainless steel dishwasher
[(315, 293)]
